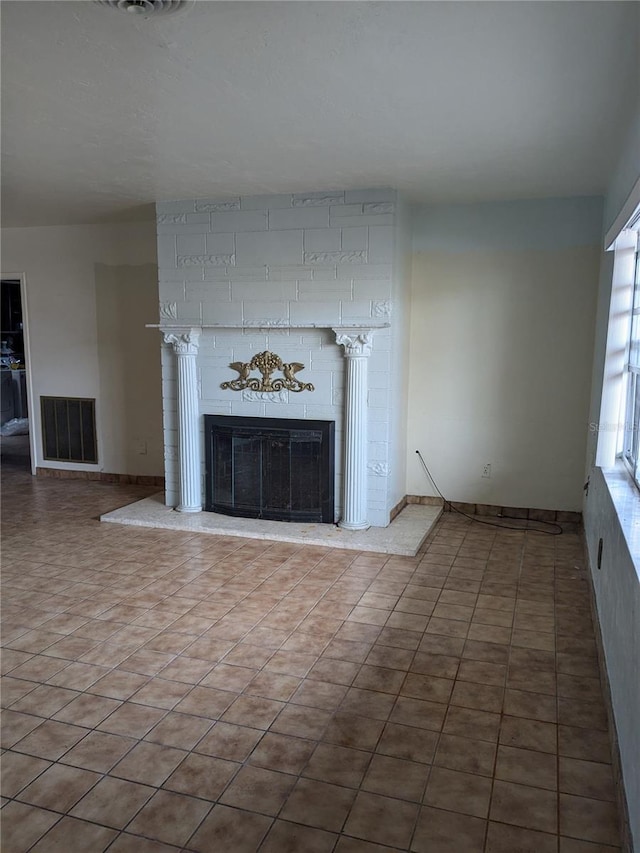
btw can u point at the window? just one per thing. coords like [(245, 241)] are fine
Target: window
[(631, 421)]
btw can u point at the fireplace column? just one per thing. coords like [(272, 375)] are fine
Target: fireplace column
[(185, 346), (357, 349)]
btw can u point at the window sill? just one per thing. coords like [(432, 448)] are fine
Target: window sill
[(626, 501)]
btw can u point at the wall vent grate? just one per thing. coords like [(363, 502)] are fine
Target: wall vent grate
[(69, 429)]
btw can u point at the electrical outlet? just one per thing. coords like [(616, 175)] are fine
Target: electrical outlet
[(140, 446), (486, 470)]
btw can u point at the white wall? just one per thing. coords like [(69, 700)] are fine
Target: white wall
[(617, 583), (502, 320), (90, 290)]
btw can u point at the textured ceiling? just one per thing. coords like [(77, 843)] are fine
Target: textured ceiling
[(105, 112)]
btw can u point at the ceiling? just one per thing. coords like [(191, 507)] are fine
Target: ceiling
[(104, 112)]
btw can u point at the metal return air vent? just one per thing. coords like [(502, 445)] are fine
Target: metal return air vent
[(69, 429), (147, 8)]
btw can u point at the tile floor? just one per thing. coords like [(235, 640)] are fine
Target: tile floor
[(168, 691)]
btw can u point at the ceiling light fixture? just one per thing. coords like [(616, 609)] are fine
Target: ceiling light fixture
[(146, 8)]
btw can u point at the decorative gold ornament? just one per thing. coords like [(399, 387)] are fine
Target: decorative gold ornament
[(267, 362)]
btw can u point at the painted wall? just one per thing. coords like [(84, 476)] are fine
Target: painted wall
[(502, 322), (90, 290), (617, 584)]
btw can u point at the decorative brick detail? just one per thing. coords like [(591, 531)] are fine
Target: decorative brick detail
[(381, 308), (217, 206), (171, 219), (206, 260), (168, 311), (335, 257), (265, 397), (317, 200), (268, 324), (379, 469), (379, 207)]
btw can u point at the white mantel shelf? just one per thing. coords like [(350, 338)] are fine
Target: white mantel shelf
[(175, 327)]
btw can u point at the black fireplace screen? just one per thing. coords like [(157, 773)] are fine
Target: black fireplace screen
[(270, 468)]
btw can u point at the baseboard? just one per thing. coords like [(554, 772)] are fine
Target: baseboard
[(492, 510), (626, 841), (101, 476), (398, 508)]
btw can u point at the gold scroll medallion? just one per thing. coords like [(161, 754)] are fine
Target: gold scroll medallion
[(267, 362)]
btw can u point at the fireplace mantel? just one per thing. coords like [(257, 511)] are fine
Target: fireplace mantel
[(321, 277), (199, 327), (356, 340)]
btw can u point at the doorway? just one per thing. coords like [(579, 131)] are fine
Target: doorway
[(15, 437)]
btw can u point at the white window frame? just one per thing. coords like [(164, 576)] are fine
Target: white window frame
[(630, 433)]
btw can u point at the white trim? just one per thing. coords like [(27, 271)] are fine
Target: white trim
[(622, 219), (612, 400)]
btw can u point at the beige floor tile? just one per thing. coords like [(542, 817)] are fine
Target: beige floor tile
[(470, 756), (98, 751), (87, 837), (285, 837), (588, 819), (522, 805), (229, 741), (338, 765), (282, 753), (318, 804), (503, 838), (462, 792), (252, 710), (396, 777), (113, 802), (472, 724), (201, 776), (529, 734), (272, 685), (132, 720), (586, 779), (148, 763), (301, 721), (441, 831), (44, 701), (118, 684), (126, 843), (527, 767), (171, 818), (231, 829), (23, 825), (418, 712), (59, 787), (259, 790), (587, 744), (50, 740), (408, 742), (382, 820), (403, 700), (18, 770), (87, 710)]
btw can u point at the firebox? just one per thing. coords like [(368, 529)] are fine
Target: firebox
[(271, 468)]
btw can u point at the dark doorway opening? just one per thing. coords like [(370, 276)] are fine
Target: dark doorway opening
[(270, 468)]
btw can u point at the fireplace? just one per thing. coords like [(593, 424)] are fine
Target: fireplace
[(322, 279), (271, 468)]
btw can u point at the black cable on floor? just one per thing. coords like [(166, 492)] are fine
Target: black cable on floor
[(557, 532)]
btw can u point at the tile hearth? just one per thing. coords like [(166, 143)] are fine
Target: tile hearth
[(174, 691), (403, 536)]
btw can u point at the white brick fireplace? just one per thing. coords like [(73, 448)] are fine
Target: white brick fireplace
[(318, 278)]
